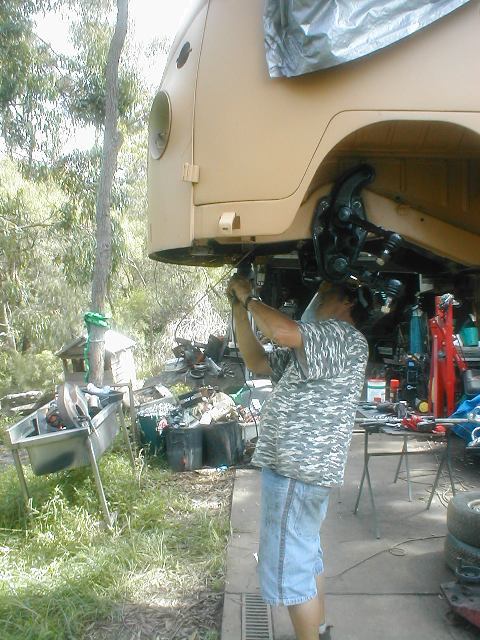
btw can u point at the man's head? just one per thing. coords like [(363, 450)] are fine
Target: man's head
[(343, 303)]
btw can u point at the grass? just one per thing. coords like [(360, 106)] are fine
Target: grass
[(61, 571), (4, 423)]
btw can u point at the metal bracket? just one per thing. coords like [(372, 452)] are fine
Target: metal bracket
[(339, 231)]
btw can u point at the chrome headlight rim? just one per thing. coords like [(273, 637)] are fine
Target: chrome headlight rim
[(160, 124)]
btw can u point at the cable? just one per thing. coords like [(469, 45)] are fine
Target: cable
[(213, 286), (242, 369), (389, 550)]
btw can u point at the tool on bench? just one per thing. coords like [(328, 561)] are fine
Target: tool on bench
[(414, 422), (475, 441)]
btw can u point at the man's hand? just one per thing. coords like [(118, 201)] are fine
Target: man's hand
[(272, 323), (238, 289)]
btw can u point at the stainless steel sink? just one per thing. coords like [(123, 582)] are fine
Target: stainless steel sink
[(67, 449)]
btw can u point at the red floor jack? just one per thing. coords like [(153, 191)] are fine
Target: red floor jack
[(441, 387), (463, 595)]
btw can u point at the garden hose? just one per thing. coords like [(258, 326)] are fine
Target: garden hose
[(99, 320)]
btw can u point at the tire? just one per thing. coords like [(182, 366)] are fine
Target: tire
[(463, 517), (455, 548)]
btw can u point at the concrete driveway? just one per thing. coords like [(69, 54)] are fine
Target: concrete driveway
[(377, 589)]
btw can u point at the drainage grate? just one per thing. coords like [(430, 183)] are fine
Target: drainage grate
[(256, 618)]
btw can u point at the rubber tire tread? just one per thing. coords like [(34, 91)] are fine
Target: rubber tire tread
[(462, 522), (455, 548)]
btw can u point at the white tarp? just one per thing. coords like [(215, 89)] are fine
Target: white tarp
[(302, 36)]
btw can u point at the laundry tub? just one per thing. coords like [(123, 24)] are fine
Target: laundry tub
[(67, 449)]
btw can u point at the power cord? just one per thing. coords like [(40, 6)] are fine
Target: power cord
[(242, 369), (213, 286), (396, 549), (189, 311)]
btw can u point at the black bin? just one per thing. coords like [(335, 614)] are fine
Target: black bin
[(222, 444), (184, 448)]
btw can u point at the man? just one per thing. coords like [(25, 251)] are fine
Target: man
[(306, 426)]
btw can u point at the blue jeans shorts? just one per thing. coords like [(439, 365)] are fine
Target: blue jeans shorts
[(290, 555)]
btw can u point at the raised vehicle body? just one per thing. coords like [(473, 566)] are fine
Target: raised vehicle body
[(238, 161)]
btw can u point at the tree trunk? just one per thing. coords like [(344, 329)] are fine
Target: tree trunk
[(111, 145), (6, 330)]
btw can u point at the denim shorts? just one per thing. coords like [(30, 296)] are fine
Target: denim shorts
[(290, 555)]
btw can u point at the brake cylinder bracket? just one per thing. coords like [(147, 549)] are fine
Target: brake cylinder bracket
[(339, 231), (337, 236)]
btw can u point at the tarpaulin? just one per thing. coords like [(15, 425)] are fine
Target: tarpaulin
[(466, 407), (302, 36)]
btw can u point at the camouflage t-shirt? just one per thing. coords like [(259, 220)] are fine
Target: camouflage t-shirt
[(306, 424)]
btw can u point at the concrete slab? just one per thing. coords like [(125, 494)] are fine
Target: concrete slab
[(380, 617), (376, 589), (232, 616)]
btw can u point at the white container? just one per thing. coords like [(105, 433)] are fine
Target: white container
[(376, 389)]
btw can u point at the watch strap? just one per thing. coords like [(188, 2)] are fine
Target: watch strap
[(249, 298)]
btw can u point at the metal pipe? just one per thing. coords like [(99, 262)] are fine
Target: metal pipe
[(382, 420)]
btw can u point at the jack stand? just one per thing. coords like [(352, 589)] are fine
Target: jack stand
[(441, 385)]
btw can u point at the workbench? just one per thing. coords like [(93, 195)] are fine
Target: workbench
[(376, 427)]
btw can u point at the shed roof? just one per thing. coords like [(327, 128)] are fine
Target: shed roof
[(114, 342)]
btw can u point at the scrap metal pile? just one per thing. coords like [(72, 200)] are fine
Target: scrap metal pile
[(197, 360), (203, 427), (72, 407), (204, 406)]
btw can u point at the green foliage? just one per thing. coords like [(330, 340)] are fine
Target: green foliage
[(179, 388), (30, 117), (47, 200), (36, 308), (40, 371), (87, 101), (62, 570), (59, 569), (77, 175)]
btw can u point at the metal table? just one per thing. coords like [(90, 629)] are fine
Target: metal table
[(404, 454)]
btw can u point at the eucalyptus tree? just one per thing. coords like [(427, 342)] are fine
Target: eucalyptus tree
[(32, 79), (111, 144)]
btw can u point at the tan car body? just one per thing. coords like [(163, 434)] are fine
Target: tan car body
[(249, 156)]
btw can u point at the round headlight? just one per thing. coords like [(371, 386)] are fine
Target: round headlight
[(159, 125)]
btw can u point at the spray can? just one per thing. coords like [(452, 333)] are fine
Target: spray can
[(394, 387)]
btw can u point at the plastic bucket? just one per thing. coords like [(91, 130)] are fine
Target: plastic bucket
[(222, 444), (184, 448), (469, 336), (149, 434), (376, 388)]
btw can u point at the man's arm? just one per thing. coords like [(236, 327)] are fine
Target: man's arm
[(272, 323), (275, 325), (252, 351)]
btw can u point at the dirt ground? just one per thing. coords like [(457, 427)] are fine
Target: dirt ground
[(167, 614), (6, 456)]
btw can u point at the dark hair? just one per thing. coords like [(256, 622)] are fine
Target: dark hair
[(362, 301)]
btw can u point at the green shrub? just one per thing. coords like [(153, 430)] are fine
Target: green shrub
[(24, 372)]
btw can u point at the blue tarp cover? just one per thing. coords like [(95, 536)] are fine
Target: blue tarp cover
[(463, 409)]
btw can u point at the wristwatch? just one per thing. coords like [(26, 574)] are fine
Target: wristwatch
[(249, 298)]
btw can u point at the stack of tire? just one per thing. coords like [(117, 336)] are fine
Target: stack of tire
[(463, 523)]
